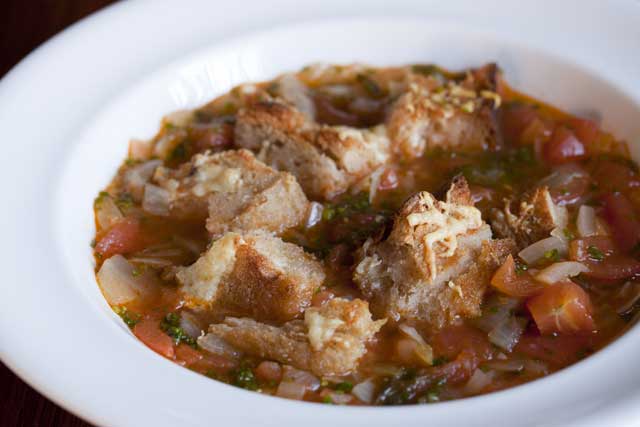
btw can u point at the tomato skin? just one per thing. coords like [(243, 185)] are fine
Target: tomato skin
[(558, 351), (514, 119), (563, 308), (187, 355), (450, 341), (563, 147), (123, 237), (148, 331), (620, 215), (585, 130), (613, 176), (612, 267), (509, 282)]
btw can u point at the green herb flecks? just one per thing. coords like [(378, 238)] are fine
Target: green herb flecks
[(343, 387), (552, 255), (129, 318), (245, 378), (595, 253), (171, 326)]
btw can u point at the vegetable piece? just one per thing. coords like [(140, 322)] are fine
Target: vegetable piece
[(170, 324), (217, 346), (506, 365), (314, 215), (585, 130), (560, 271), (620, 215), (130, 319), (589, 249), (567, 183), (156, 200), (478, 381), (495, 310), (187, 355), (616, 267), (118, 282), (586, 222), (515, 119), (508, 281), (291, 390), (599, 254), (244, 377), (268, 371), (540, 249), (562, 308), (563, 147), (148, 331), (506, 334), (420, 349), (124, 237), (365, 391), (107, 212)]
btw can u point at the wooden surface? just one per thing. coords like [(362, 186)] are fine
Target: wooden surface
[(24, 25)]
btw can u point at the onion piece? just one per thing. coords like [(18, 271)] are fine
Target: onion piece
[(422, 350), (374, 183), (118, 282), (536, 367), (216, 345), (107, 212), (586, 222), (507, 334), (315, 214), (190, 324), (135, 178), (560, 271), (179, 118), (536, 251), (495, 311), (365, 391), (478, 381), (339, 399), (308, 380), (291, 390), (139, 149), (152, 261), (156, 200)]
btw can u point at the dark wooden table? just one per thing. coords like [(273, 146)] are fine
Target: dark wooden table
[(24, 25)]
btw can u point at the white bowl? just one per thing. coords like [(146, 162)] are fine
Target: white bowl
[(69, 109)]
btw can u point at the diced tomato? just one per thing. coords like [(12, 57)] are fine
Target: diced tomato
[(557, 350), (600, 255), (585, 130), (563, 308), (269, 371), (614, 175), (149, 332), (563, 147), (388, 180), (451, 340), (568, 184), (124, 237), (514, 120), (188, 355), (507, 280), (620, 215), (459, 369), (536, 132), (214, 363)]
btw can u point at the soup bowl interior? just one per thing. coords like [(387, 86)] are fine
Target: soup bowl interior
[(136, 377)]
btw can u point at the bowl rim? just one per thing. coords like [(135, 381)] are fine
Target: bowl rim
[(28, 70)]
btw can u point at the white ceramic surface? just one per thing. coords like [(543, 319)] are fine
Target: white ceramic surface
[(69, 109)]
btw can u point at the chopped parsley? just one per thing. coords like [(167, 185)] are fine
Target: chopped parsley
[(441, 360), (124, 201), (568, 234), (327, 399), (343, 387), (552, 255), (595, 253), (129, 318), (245, 378), (171, 326), (521, 267)]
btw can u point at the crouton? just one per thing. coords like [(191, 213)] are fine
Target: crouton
[(529, 219), (253, 274), (234, 191), (329, 341), (449, 115), (326, 160), (436, 262)]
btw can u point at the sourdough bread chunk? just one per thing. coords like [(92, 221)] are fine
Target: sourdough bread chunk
[(253, 274), (530, 218), (435, 264), (235, 192), (451, 115), (326, 160), (329, 341)]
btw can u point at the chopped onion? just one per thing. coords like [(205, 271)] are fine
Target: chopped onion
[(107, 212), (559, 271), (496, 310), (340, 399), (586, 222), (315, 214), (136, 177), (506, 365), (139, 149), (179, 118), (156, 200), (559, 233), (536, 251), (305, 378), (536, 367), (291, 390), (423, 350), (216, 345), (190, 324), (374, 183), (365, 391), (507, 334), (294, 91), (478, 381), (118, 282)]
